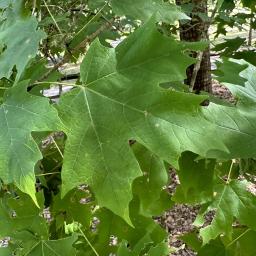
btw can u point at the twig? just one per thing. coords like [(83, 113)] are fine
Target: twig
[(56, 145), (230, 171), (55, 22), (232, 242), (89, 243), (90, 21), (56, 83), (196, 69), (46, 174), (91, 37)]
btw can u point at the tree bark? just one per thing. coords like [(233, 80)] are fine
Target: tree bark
[(192, 31)]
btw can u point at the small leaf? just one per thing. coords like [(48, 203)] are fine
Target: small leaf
[(229, 46), (196, 179), (229, 72)]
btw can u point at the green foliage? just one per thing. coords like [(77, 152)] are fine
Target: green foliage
[(87, 173), (18, 50), (143, 10)]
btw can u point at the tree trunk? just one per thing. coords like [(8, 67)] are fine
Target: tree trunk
[(196, 30)]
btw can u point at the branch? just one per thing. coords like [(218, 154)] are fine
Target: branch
[(83, 44)]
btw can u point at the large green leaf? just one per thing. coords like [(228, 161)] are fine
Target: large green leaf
[(120, 100), (247, 55), (19, 47), (231, 201), (21, 114), (144, 9)]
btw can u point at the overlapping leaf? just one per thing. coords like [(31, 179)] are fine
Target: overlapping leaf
[(196, 179), (120, 100), (21, 114), (149, 188)]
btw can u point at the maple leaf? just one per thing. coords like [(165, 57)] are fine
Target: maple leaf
[(120, 100), (20, 115)]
